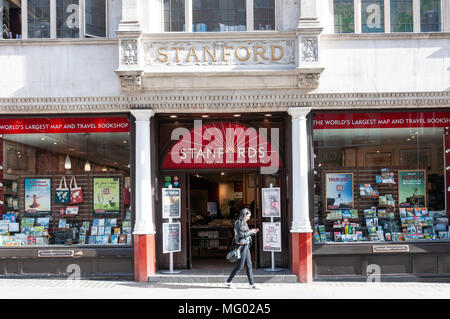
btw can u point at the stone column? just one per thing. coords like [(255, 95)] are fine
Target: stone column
[(130, 69), (144, 229), (308, 31), (301, 231)]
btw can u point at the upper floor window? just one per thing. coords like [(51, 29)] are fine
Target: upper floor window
[(219, 16), (371, 16), (430, 15), (344, 16), (402, 16), (53, 19)]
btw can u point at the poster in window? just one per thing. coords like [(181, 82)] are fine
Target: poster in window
[(271, 202), (412, 188), (171, 202), (171, 238), (272, 236), (106, 195), (38, 197), (339, 190)]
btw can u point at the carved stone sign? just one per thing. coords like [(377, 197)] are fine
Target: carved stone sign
[(206, 53)]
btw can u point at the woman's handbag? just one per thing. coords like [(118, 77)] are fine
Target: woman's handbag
[(62, 195), (76, 194), (234, 254)]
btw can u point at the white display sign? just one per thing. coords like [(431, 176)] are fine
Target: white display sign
[(271, 202), (171, 202), (272, 236), (171, 237)]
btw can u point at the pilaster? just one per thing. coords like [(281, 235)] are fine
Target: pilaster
[(308, 31)]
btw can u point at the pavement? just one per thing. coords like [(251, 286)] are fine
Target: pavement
[(92, 289)]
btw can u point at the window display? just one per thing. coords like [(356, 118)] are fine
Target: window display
[(358, 199), (48, 197)]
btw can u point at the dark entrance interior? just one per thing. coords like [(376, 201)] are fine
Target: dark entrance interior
[(215, 201)]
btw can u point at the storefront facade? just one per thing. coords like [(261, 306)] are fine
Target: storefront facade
[(345, 83)]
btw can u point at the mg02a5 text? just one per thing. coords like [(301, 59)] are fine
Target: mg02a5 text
[(237, 308)]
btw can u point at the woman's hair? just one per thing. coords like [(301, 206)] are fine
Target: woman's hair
[(243, 213)]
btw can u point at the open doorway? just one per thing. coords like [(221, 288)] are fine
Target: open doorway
[(215, 201)]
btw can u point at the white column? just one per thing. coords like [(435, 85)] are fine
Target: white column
[(387, 16), (143, 177), (53, 19), (416, 15), (24, 19), (249, 16), (357, 14), (130, 16), (300, 171), (188, 15)]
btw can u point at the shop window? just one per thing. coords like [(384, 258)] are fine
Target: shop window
[(430, 15), (372, 16), (344, 16), (65, 181), (38, 18), (380, 177), (10, 19), (174, 13), (402, 16), (67, 19), (264, 14)]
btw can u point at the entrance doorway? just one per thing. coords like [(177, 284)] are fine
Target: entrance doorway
[(215, 202)]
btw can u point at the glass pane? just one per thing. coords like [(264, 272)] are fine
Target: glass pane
[(39, 18), (344, 20), (174, 13), (39, 209), (379, 182), (95, 17), (219, 16), (10, 19), (67, 19), (264, 14), (372, 16), (430, 15), (402, 16)]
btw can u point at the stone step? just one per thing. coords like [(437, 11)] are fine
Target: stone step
[(189, 276)]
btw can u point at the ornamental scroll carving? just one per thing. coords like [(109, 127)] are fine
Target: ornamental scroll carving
[(309, 81), (131, 82)]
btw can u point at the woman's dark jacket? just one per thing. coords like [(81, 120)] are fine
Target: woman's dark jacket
[(242, 234)]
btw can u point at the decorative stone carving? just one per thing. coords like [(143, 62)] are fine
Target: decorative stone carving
[(205, 53), (131, 82), (129, 52), (222, 101), (310, 50), (308, 78)]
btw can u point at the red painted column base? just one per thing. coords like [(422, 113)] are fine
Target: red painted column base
[(144, 257), (302, 256)]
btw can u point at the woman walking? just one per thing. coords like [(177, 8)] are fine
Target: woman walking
[(243, 238)]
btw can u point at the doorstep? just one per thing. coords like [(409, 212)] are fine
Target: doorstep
[(220, 276)]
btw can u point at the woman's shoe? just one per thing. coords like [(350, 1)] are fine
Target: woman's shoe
[(253, 286), (228, 284)]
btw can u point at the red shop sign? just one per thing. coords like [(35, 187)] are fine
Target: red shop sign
[(64, 125), (222, 145), (380, 120)]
